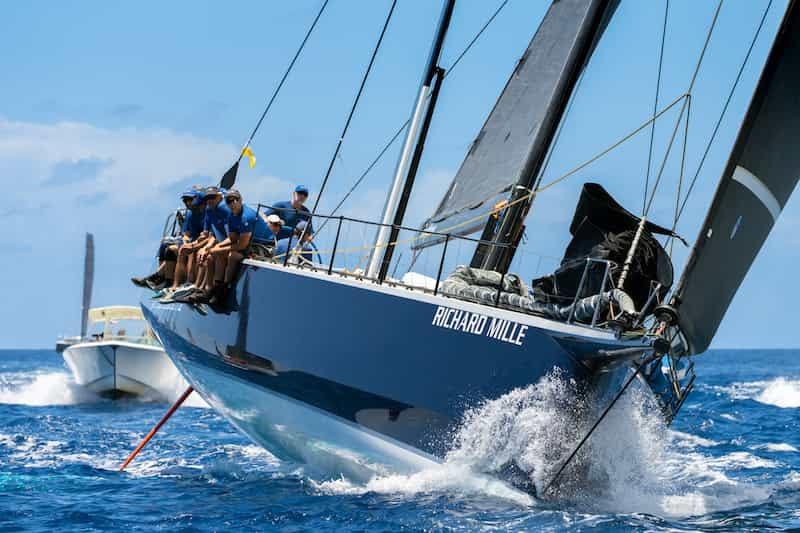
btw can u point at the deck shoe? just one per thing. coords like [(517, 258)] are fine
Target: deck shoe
[(183, 291)]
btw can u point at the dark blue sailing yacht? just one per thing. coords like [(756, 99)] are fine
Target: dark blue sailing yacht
[(364, 373)]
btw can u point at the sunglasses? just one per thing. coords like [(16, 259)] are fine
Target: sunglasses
[(232, 199)]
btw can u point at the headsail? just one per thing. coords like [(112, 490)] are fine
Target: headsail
[(515, 137), (759, 177), (88, 281)]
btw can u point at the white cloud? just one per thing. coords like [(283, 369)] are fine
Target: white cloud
[(140, 163)]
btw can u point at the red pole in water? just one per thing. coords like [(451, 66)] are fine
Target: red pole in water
[(155, 429)]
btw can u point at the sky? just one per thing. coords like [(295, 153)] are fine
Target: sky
[(108, 110)]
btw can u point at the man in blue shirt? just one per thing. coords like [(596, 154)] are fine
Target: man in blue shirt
[(168, 253), (294, 211), (215, 226), (194, 238), (227, 254)]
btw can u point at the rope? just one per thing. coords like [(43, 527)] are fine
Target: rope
[(283, 79), (353, 107), (531, 194), (722, 114), (391, 141), (683, 107), (642, 362), (655, 103)]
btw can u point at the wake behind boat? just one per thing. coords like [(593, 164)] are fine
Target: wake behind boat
[(395, 362)]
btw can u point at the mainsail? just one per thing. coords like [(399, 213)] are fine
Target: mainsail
[(88, 281), (759, 177), (515, 137)]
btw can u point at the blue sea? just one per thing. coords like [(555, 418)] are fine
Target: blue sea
[(729, 462)]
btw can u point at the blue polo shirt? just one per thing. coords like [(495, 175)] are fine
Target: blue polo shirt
[(216, 220), (193, 223), (289, 214)]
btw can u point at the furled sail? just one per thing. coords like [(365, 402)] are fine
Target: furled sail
[(515, 137), (759, 177), (88, 281)]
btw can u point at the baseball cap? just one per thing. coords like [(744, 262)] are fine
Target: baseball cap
[(301, 189)]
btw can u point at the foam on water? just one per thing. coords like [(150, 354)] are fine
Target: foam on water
[(42, 388), (633, 463), (780, 392)]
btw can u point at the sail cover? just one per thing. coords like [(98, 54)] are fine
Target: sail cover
[(759, 177), (88, 280), (517, 133)]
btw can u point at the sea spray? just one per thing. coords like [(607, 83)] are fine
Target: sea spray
[(43, 388), (632, 463)]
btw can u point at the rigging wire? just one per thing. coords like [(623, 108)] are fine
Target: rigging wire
[(655, 102), (354, 106), (283, 79), (722, 114), (683, 107), (394, 137)]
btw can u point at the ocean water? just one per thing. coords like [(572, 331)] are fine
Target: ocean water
[(731, 461)]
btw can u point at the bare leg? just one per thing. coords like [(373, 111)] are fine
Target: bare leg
[(233, 266), (191, 267), (220, 260), (180, 268)]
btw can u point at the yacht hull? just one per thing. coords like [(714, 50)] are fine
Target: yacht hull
[(118, 368), (356, 378)]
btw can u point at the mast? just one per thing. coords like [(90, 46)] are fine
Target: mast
[(759, 177), (88, 281), (413, 145)]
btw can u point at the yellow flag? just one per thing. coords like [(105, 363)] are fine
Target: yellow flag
[(247, 151)]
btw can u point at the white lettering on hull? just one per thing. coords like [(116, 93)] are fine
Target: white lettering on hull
[(476, 324)]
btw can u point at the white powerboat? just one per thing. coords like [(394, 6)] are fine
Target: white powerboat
[(120, 365), (116, 364)]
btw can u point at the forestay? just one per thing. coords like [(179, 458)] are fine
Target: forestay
[(516, 135), (759, 177)]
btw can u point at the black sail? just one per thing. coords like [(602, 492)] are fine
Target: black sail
[(759, 177), (517, 133), (88, 281)]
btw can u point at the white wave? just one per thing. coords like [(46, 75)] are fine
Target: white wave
[(631, 464), (780, 392), (43, 388), (776, 447), (449, 478)]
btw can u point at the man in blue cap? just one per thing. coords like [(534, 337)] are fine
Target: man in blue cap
[(293, 211), (215, 226), (194, 238), (191, 228)]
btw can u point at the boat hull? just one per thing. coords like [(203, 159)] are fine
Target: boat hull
[(329, 370), (118, 368)]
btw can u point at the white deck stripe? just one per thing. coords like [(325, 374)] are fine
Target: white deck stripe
[(759, 190)]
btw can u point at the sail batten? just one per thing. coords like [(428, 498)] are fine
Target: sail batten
[(758, 179), (517, 133)]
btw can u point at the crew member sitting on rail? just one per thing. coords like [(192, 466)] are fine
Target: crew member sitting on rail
[(291, 212), (300, 242), (168, 251), (215, 225), (194, 237)]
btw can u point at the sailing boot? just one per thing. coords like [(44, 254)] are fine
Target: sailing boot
[(145, 281)]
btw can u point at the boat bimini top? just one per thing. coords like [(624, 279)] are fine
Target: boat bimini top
[(115, 312)]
